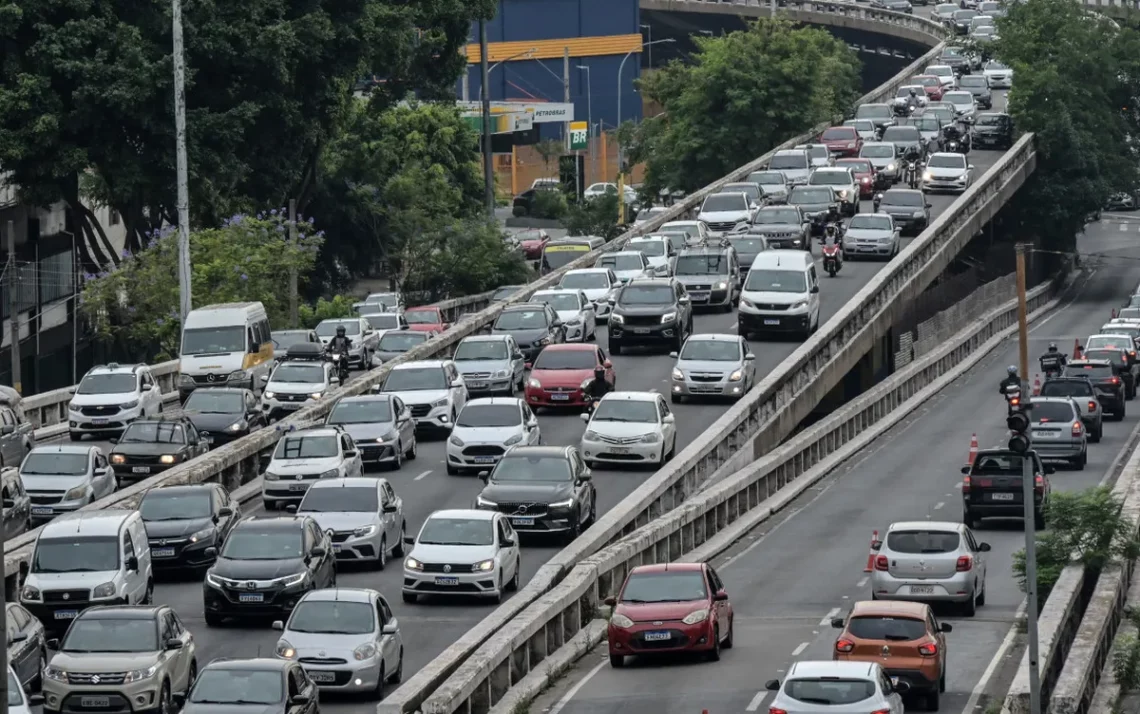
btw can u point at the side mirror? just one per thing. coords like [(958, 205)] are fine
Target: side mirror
[(749, 357), (484, 476), (669, 419), (901, 687), (299, 699), (278, 625), (291, 507), (528, 365), (516, 355), (52, 644), (946, 627), (133, 563), (586, 417), (684, 299), (673, 355), (409, 540), (350, 454), (225, 512), (586, 476), (721, 596), (837, 623), (772, 685), (211, 552), (814, 289), (607, 364), (928, 206), (457, 383), (175, 644), (970, 167), (7, 429), (391, 508), (1050, 469), (319, 552), (113, 441), (984, 547), (38, 699), (391, 628), (876, 545), (508, 543), (265, 379), (71, 390), (966, 470)]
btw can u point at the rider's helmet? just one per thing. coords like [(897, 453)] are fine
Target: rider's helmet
[(912, 92), (1011, 370), (1052, 347), (340, 331)]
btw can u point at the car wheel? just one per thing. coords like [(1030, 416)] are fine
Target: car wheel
[(932, 702), (714, 653), (676, 398), (452, 471), (409, 598), (615, 348), (728, 640), (972, 521), (148, 596), (1079, 462), (213, 620), (398, 676), (410, 455), (74, 436), (398, 460), (617, 661), (513, 585), (970, 607), (398, 549), (382, 556), (165, 705), (981, 602), (1098, 435)]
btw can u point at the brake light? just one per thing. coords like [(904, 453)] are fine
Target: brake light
[(966, 483), (881, 711), (965, 563), (1116, 380), (774, 710), (844, 645), (1092, 406), (1039, 483), (1077, 428), (881, 562), (1015, 401), (928, 650)]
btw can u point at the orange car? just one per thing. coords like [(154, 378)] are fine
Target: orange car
[(904, 638)]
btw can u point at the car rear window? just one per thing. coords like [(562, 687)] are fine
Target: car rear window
[(922, 541), (1114, 356), (1090, 371), (829, 691), (1052, 411), (895, 629), (1067, 388)]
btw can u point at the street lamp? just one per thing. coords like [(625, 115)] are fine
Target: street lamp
[(525, 53), (621, 66), (649, 36)]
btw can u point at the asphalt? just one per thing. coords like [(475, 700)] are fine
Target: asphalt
[(787, 578)]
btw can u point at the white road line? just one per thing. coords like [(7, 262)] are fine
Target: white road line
[(424, 475), (574, 690), (1123, 227), (756, 701), (938, 505), (862, 582), (827, 618), (802, 646), (991, 668)]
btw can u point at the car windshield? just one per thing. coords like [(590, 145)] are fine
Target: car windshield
[(891, 629), (213, 340), (401, 341), (566, 359), (927, 81), (621, 262), (647, 295), (584, 281), (959, 98), (859, 167), (964, 15), (423, 317), (712, 350), (556, 256), (119, 383), (996, 65), (917, 542), (789, 161), (998, 464), (724, 202), (328, 328), (675, 586), (945, 9), (559, 301), (489, 415), (306, 447), (15, 696), (747, 246), (45, 463), (902, 133), (532, 467), (1092, 371), (412, 379), (777, 217), (457, 531), (473, 350), (162, 504), (257, 544), (652, 248), (1101, 341), (701, 265), (342, 499), (878, 151), (153, 432), (638, 411), (873, 111), (870, 222), (946, 161), (1066, 388), (767, 178), (752, 191), (973, 81), (902, 198), (810, 196), (776, 281), (76, 555), (677, 239), (216, 685), (212, 401), (926, 123), (1129, 313), (988, 120), (830, 691), (831, 178), (112, 634), (839, 133), (288, 338), (363, 411), (332, 617), (383, 321), (521, 320), (299, 373)]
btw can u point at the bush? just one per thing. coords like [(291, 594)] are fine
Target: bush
[(550, 205), (598, 217), (311, 315)]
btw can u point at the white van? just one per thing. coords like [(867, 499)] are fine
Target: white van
[(83, 559), (781, 294), (228, 345)]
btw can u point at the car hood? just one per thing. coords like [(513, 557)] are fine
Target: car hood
[(479, 366), (645, 310), (34, 482), (214, 363), (722, 216), (147, 449), (207, 421), (795, 175), (192, 708), (773, 189), (769, 229), (455, 554), (486, 434), (775, 298), (177, 528), (367, 431), (567, 315), (702, 279), (656, 261), (421, 396), (342, 521), (100, 400), (706, 365), (881, 162), (978, 91), (942, 172), (286, 467), (621, 429), (295, 387), (814, 207), (95, 662), (651, 611), (866, 234), (561, 377), (257, 569), (524, 337), (515, 492)]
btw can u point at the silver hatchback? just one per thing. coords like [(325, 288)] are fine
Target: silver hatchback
[(712, 365), (1058, 432), (930, 561)]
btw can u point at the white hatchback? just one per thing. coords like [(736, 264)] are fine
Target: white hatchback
[(484, 431)]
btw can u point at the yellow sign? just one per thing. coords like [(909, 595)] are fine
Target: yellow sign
[(579, 136), (568, 248)]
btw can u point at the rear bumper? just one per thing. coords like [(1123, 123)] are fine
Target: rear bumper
[(959, 587)]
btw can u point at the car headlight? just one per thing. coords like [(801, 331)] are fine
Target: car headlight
[(928, 176), (129, 405), (843, 193), (919, 214), (575, 322), (290, 580), (138, 675), (502, 373), (668, 317), (213, 579), (696, 616), (513, 440), (238, 426), (534, 383), (890, 167), (441, 402), (118, 459), (455, 441), (736, 376), (620, 620), (365, 651), (270, 476), (721, 286), (269, 395), (484, 566), (363, 531), (72, 408), (591, 435), (57, 674), (544, 341), (77, 492), (562, 504), (30, 593), (205, 534), (104, 590), (650, 438), (484, 503), (677, 375), (798, 305), (239, 374), (413, 564), (185, 379), (617, 319), (331, 473), (167, 458), (284, 650), (866, 179)]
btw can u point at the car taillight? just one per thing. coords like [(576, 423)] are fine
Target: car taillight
[(966, 483), (1014, 401), (929, 649), (1077, 428), (881, 711), (774, 710), (844, 645), (1092, 406), (1039, 483), (1116, 380), (965, 563), (881, 562)]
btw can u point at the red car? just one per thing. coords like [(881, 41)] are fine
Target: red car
[(864, 173), (842, 141), (425, 319), (561, 374), (532, 242), (930, 84), (670, 607)]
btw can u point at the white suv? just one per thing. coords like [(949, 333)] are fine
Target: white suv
[(110, 397), (304, 457), (432, 389)]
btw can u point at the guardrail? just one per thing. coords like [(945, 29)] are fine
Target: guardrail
[(727, 509)]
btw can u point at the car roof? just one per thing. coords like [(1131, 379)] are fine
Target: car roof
[(420, 364), (570, 347), (714, 337), (122, 612), (941, 526), (842, 669), (586, 270), (631, 397), (493, 402), (183, 488), (488, 338), (317, 430), (279, 523), (114, 368), (96, 523), (669, 568), (471, 513), (341, 595), (367, 480), (1051, 399), (525, 307), (888, 608), (257, 663)]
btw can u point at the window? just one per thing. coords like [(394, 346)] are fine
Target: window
[(128, 547), (295, 685), (166, 629), (503, 537), (57, 278)]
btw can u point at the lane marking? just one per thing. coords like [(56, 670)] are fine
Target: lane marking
[(425, 474), (1123, 227), (798, 650), (827, 618), (756, 701), (863, 581), (938, 505), (991, 668), (574, 690)]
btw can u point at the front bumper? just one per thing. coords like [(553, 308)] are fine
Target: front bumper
[(556, 397), (231, 602), (488, 382), (107, 699), (690, 388), (474, 457), (352, 548), (437, 417), (350, 677), (42, 513), (1001, 82), (943, 185), (283, 491), (57, 616), (637, 452), (956, 588), (576, 332), (795, 242), (417, 582), (645, 335), (909, 222), (168, 554), (773, 321), (129, 471), (1059, 450), (541, 518), (281, 405), (713, 297), (187, 384), (868, 247), (681, 638), (79, 423)]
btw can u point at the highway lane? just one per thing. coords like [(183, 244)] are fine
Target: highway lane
[(791, 575)]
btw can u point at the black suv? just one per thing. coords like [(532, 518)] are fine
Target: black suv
[(534, 325), (151, 446), (992, 130), (1121, 362), (269, 685), (542, 489), (265, 566), (183, 522), (650, 312), (992, 488), (1105, 378)]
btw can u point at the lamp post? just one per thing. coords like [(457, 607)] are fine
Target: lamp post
[(589, 116), (621, 66), (485, 101), (649, 38)]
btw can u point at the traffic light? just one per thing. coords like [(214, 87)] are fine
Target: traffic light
[(1018, 423)]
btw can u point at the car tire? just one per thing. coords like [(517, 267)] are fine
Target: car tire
[(452, 471), (617, 661), (382, 556), (974, 523), (398, 676), (714, 653), (970, 607), (165, 703), (1079, 462), (398, 549), (378, 692), (409, 598), (399, 458), (728, 640), (74, 436), (214, 619), (676, 398), (1098, 435), (981, 603), (931, 701), (515, 581), (615, 348)]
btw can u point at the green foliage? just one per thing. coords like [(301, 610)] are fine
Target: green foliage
[(549, 150), (248, 258), (549, 205), (597, 217), (461, 258), (1126, 654), (1085, 527), (742, 94), (311, 315)]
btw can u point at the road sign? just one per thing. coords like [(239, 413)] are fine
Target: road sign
[(579, 136)]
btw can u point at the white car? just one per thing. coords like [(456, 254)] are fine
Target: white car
[(484, 431), (599, 284), (294, 384), (629, 428), (945, 74), (646, 215), (964, 104), (357, 329), (865, 128), (724, 212), (463, 552), (383, 322), (873, 234), (658, 250), (574, 310), (843, 182), (602, 189), (351, 625), (110, 397), (947, 172), (432, 389), (626, 264), (365, 515), (18, 701), (819, 155), (304, 457), (999, 75), (697, 230)]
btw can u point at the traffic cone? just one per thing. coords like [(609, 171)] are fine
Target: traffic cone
[(973, 450), (1076, 349), (871, 554), (1036, 385)]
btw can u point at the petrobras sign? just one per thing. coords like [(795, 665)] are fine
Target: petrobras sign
[(542, 112)]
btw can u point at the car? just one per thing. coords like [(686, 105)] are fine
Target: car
[(647, 214), (884, 157), (947, 172), (999, 75), (901, 102), (795, 164), (1123, 327), (182, 522), (944, 113), (993, 8), (945, 72), (650, 312), (979, 87), (929, 128), (773, 184), (598, 190), (155, 445), (1121, 366), (905, 139), (698, 231), (491, 364), (747, 246), (904, 638), (1120, 202), (780, 294), (630, 428), (819, 154), (992, 130), (944, 11), (505, 292), (679, 238), (381, 302), (383, 322), (108, 399), (17, 513), (1105, 380), (984, 34), (871, 234), (866, 178), (751, 190), (842, 141), (62, 478), (960, 21), (533, 325), (882, 115), (964, 105), (992, 488), (1113, 341), (841, 685), (658, 250), (713, 364), (303, 457), (980, 20), (1059, 432), (393, 344), (19, 701), (782, 227), (710, 275), (486, 429), (908, 208), (363, 516), (531, 242), (562, 374), (272, 685), (865, 128), (359, 331), (525, 203), (27, 649), (462, 552), (670, 607), (432, 390), (353, 625), (295, 383), (541, 490), (721, 212), (930, 561), (225, 413), (902, 6), (599, 284), (931, 85), (816, 202), (283, 556), (574, 310), (381, 426), (843, 183), (284, 339)]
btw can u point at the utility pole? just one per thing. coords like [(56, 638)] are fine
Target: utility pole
[(294, 319), (773, 9), (566, 91), (1028, 478), (485, 90), (4, 624), (466, 77), (14, 314), (184, 296)]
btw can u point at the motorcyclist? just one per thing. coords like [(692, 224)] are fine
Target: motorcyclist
[(341, 344), (599, 387), (1053, 361), (831, 237), (913, 155), (950, 133), (1011, 380)]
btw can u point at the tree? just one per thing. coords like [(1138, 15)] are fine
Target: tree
[(596, 217), (136, 304), (743, 93), (549, 149), (464, 257)]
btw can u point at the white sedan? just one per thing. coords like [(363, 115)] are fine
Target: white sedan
[(630, 428), (947, 172), (575, 311), (627, 265)]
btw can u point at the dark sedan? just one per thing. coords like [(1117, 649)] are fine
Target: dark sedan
[(992, 130), (224, 413), (182, 522), (152, 446), (907, 206)]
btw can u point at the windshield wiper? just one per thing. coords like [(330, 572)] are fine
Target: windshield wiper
[(623, 419)]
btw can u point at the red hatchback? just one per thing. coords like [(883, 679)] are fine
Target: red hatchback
[(561, 374), (842, 141), (671, 607), (425, 319), (532, 242), (864, 173), (930, 84)]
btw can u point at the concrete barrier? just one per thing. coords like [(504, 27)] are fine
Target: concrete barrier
[(1109, 692)]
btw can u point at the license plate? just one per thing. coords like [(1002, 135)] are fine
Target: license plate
[(66, 614), (1044, 434), (140, 469), (772, 322), (447, 581), (921, 589), (162, 552), (100, 422), (298, 487), (95, 702), (699, 296), (251, 597), (42, 511), (559, 397), (641, 330), (656, 636), (477, 385), (620, 449), (290, 407), (321, 677), (1001, 496), (484, 459), (522, 521), (336, 547)]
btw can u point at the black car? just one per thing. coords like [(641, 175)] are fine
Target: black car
[(992, 488), (184, 522), (225, 413), (1122, 363), (533, 325), (266, 565), (748, 246), (524, 203), (816, 202), (151, 446), (651, 312), (992, 130), (1109, 386), (907, 206), (264, 685), (542, 489), (954, 58)]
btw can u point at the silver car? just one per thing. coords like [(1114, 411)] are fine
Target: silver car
[(713, 365), (61, 478), (1059, 432), (357, 329), (575, 311), (837, 688), (884, 157), (1082, 391), (363, 514), (627, 265), (491, 364), (347, 638), (819, 154), (873, 234), (783, 227), (930, 561), (795, 164), (396, 342), (27, 648), (773, 184), (380, 425)]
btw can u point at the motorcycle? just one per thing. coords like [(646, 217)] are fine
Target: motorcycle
[(876, 202), (1051, 370), (341, 362), (831, 260), (1012, 399), (910, 173)]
